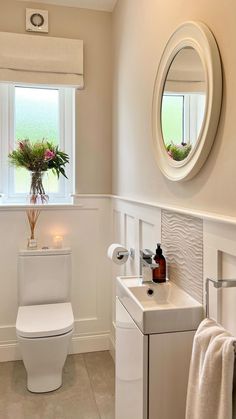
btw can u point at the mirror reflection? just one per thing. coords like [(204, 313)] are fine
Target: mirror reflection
[(183, 104)]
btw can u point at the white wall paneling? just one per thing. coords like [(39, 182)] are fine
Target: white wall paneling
[(203, 215), (130, 242), (89, 227), (220, 263), (209, 245), (117, 237), (137, 226), (86, 229), (140, 228)]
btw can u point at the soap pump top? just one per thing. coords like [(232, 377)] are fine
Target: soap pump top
[(159, 249), (159, 273)]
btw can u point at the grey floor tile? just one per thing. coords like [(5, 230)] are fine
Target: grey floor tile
[(76, 399), (101, 371)]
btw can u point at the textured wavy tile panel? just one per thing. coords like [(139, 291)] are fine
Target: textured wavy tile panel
[(182, 241)]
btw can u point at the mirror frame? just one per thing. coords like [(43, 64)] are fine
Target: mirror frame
[(198, 36)]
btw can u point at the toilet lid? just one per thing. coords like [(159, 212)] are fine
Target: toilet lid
[(44, 320)]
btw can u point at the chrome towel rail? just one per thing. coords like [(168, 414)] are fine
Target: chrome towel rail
[(220, 283)]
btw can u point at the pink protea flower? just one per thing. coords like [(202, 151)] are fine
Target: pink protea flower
[(48, 154)]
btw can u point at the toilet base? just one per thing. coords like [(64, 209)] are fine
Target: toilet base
[(44, 359), (44, 384)]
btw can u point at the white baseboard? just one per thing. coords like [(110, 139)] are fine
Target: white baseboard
[(9, 351), (90, 343)]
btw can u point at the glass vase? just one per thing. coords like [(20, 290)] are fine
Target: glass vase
[(37, 192)]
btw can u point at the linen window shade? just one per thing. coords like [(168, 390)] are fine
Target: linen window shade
[(41, 60)]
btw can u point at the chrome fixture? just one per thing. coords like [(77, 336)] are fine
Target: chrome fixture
[(146, 262), (130, 253), (146, 259), (220, 283)]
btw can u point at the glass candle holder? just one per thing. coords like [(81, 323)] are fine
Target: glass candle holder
[(57, 242)]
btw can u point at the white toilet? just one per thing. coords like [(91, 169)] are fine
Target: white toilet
[(45, 320)]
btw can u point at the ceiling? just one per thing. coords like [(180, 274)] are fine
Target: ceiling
[(106, 5)]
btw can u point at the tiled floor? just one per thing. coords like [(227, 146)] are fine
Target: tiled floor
[(87, 391)]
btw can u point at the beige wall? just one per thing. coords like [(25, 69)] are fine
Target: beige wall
[(141, 30), (93, 113)]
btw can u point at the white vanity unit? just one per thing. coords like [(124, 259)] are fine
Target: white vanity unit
[(155, 325)]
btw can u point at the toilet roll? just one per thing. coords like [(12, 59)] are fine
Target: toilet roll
[(113, 251)]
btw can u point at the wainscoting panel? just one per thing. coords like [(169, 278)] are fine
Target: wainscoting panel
[(118, 236), (147, 235), (143, 226), (220, 263), (129, 232), (89, 228), (139, 228), (86, 228), (182, 241)]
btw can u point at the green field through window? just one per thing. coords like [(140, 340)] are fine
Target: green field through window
[(172, 118)]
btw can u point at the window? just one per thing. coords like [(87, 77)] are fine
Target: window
[(35, 112), (182, 116), (173, 118)]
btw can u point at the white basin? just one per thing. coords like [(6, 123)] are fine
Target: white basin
[(158, 308)]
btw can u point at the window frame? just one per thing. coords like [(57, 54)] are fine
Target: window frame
[(66, 142)]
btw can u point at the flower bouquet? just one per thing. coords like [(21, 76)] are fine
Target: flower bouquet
[(38, 157), (178, 152)]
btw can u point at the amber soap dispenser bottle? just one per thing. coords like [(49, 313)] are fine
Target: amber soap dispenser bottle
[(159, 274)]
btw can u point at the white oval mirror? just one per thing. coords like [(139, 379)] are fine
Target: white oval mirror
[(186, 101)]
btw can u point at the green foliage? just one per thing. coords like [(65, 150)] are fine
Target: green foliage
[(39, 156), (178, 152)]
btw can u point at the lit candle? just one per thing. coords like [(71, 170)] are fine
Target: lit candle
[(57, 242)]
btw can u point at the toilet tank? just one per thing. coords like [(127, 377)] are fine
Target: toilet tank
[(44, 276)]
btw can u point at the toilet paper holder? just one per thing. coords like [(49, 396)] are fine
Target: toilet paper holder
[(119, 254), (130, 253)]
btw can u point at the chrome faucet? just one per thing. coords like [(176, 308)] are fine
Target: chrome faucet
[(147, 265)]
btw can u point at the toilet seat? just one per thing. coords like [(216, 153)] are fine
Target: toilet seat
[(45, 320)]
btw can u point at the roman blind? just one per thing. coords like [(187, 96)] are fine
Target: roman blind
[(41, 60)]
